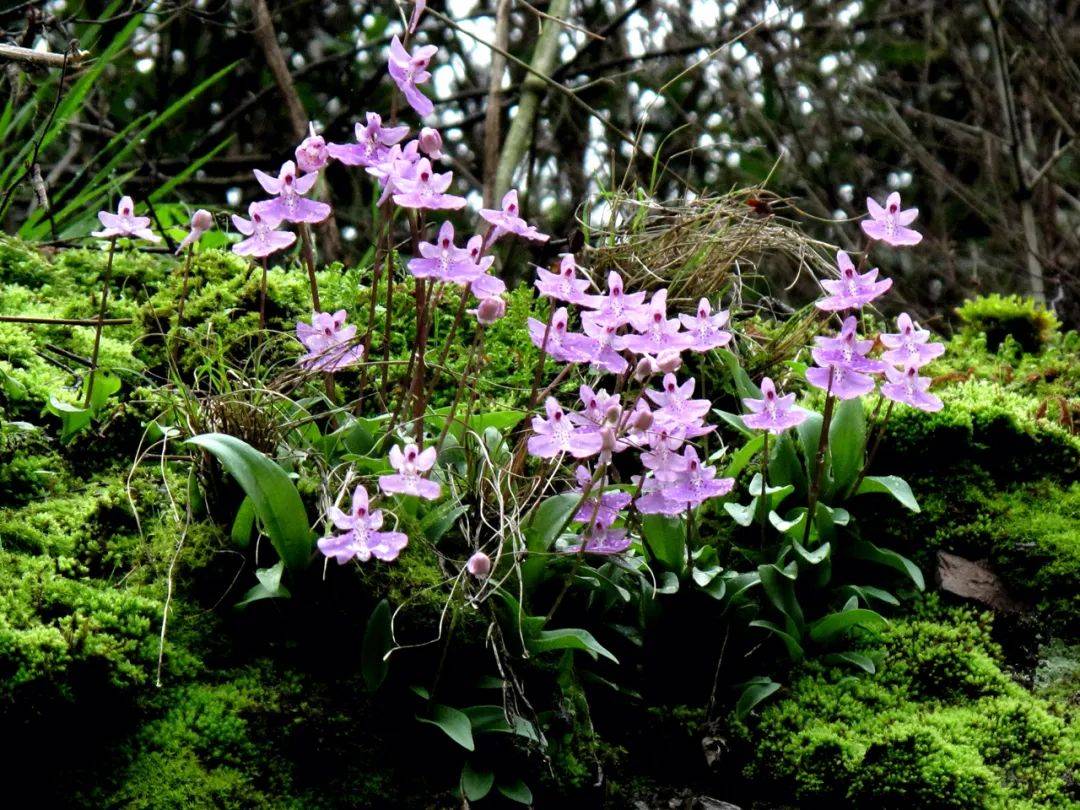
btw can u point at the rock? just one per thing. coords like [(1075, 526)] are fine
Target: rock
[(974, 580)]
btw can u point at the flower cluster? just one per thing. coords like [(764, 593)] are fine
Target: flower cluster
[(626, 335)]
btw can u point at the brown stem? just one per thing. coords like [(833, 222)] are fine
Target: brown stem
[(389, 314), (309, 262), (184, 287), (100, 322), (66, 321), (458, 317), (262, 299), (460, 388), (764, 487)]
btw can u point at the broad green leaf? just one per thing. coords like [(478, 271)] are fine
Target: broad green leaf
[(741, 457), (268, 587), (476, 784), (440, 520), (568, 638), (840, 623), (243, 523), (734, 421), (847, 442), (665, 537), (865, 550), (742, 513), (794, 648), (754, 692), (892, 485), (863, 662), (868, 592), (454, 724), (779, 585), (378, 639), (543, 529), (277, 503), (744, 386), (516, 791)]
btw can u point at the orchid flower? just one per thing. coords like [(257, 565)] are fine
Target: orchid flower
[(889, 224), (411, 466), (854, 290), (409, 70), (373, 143), (330, 343), (312, 154), (201, 221), (556, 435), (508, 220), (125, 223), (909, 388), (261, 230), (773, 413), (360, 535), (910, 346), (426, 189), (289, 204)]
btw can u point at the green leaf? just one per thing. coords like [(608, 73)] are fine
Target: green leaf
[(779, 585), (865, 550), (892, 485), (863, 662), (378, 639), (516, 791), (568, 638), (454, 724), (842, 622), (268, 587), (476, 784), (755, 691), (665, 537), (277, 503), (868, 592), (741, 457), (243, 523), (744, 386), (794, 648), (440, 520), (543, 529), (847, 442)]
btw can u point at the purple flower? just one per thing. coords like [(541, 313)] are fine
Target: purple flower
[(662, 457), (889, 224), (556, 435), (598, 539), (656, 333), (399, 165), (263, 236), (290, 205), (312, 154), (600, 408), (409, 70), (705, 329), (360, 535), (564, 285), (616, 308), (373, 143), (487, 286), (676, 408), (562, 345), (201, 221), (427, 189), (508, 220), (909, 388), (840, 381), (847, 350), (479, 565), (488, 311), (431, 143), (603, 354), (853, 290), (654, 501), (909, 347), (604, 513), (442, 259), (125, 223), (411, 465), (330, 343), (697, 483), (772, 413)]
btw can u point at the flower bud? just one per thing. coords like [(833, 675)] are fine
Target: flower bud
[(607, 439), (489, 310), (202, 220), (312, 154), (642, 420), (669, 361), (431, 143), (479, 565), (645, 368), (613, 414)]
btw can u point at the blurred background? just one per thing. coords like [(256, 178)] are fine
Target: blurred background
[(968, 109)]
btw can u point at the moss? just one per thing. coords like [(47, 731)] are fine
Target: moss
[(999, 317), (940, 725)]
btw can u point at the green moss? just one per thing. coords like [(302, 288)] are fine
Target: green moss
[(1000, 316), (940, 725)]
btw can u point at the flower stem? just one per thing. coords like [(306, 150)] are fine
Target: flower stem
[(819, 459), (262, 299), (184, 287), (460, 388), (309, 261), (873, 448), (764, 487), (100, 323)]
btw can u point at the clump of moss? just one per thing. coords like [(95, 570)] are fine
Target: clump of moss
[(1000, 316), (940, 725)]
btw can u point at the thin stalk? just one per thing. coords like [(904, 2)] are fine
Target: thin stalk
[(262, 299), (458, 317), (100, 322), (309, 261), (873, 448), (819, 459), (389, 315), (764, 487), (460, 388), (66, 321), (184, 284)]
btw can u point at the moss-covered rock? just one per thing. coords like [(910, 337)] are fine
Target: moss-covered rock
[(940, 725)]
